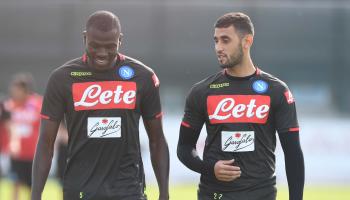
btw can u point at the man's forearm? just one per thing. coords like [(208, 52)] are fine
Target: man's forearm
[(187, 153), (295, 171), (41, 168), (294, 162), (295, 176), (160, 162)]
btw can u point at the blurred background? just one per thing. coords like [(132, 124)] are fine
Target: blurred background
[(306, 43)]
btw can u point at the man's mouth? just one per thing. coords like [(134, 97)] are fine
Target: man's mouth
[(221, 57), (100, 61)]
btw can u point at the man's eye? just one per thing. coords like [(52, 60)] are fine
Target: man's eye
[(111, 48), (94, 46)]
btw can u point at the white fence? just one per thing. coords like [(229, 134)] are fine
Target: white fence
[(325, 143)]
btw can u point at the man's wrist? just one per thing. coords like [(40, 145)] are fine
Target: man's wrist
[(208, 168), (164, 197), (36, 197)]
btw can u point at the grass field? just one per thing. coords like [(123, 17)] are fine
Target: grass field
[(188, 192)]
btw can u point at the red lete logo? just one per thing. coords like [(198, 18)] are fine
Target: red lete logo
[(238, 108), (104, 95)]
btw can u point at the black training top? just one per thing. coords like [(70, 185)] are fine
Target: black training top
[(242, 115), (102, 111)]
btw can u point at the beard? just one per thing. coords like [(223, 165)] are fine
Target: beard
[(233, 59)]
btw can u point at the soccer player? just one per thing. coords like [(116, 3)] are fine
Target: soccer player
[(24, 107), (4, 127), (102, 96), (242, 108)]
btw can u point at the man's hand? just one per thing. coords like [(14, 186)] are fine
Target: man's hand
[(224, 170)]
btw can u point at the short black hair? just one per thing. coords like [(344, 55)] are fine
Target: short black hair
[(24, 81), (240, 21), (103, 21)]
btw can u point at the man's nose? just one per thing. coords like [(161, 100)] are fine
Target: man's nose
[(102, 52), (219, 48)]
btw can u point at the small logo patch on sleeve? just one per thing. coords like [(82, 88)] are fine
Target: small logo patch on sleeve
[(155, 80), (289, 97)]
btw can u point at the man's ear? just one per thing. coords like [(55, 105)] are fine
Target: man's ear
[(84, 37), (120, 39), (248, 41)]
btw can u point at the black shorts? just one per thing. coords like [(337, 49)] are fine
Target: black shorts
[(257, 194), (22, 170), (74, 195)]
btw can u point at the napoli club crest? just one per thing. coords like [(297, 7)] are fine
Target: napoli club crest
[(126, 72), (260, 86)]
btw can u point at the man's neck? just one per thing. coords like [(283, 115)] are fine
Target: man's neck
[(245, 68)]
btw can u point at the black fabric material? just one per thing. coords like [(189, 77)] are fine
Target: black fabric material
[(187, 153), (242, 116), (263, 193), (102, 164), (23, 171), (294, 162)]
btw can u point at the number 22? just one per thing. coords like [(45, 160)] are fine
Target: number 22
[(217, 196)]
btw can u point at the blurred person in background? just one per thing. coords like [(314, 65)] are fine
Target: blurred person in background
[(24, 106), (102, 96), (4, 127), (242, 108)]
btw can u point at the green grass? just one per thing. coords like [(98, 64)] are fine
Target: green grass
[(188, 192), (52, 191), (180, 192)]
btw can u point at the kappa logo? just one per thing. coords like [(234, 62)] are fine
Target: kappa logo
[(238, 108), (219, 85), (104, 95), (81, 74)]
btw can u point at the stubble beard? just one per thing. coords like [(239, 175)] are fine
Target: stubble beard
[(234, 59)]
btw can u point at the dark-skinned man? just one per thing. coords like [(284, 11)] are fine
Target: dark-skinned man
[(102, 96)]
